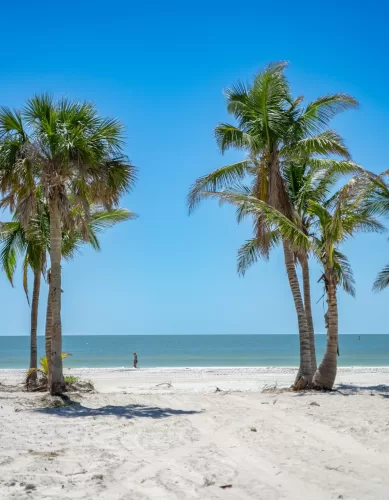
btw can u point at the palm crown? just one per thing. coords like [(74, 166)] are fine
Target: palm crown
[(273, 129), (64, 148)]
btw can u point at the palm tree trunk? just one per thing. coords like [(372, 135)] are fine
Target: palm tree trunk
[(56, 381), (34, 320), (326, 373), (304, 376), (49, 324), (308, 308)]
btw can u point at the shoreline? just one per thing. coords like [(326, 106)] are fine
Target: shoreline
[(200, 368), (202, 379)]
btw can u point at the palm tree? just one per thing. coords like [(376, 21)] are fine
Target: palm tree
[(334, 226), (312, 179), (332, 223), (33, 243), (309, 179), (66, 149), (274, 129)]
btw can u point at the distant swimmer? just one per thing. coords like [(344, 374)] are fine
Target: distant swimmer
[(359, 338), (135, 360)]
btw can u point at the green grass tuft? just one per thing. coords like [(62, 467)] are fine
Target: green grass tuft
[(71, 379)]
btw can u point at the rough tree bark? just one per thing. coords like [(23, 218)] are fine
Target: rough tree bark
[(326, 373), (49, 324), (308, 308), (34, 321), (305, 374), (56, 380)]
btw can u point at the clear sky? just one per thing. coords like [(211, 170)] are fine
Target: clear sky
[(160, 67)]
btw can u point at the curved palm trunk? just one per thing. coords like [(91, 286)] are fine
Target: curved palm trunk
[(34, 320), (278, 198), (326, 373), (308, 308), (56, 381), (304, 376), (49, 323)]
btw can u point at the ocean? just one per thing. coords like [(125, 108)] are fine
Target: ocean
[(94, 351)]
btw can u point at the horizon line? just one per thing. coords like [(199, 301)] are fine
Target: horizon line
[(176, 334)]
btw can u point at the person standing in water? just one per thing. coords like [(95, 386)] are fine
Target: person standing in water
[(135, 360)]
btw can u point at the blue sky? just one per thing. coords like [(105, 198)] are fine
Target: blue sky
[(160, 67)]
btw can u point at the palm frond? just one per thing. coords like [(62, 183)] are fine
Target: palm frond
[(382, 280), (248, 254), (218, 179), (45, 365), (273, 217), (101, 219), (326, 143), (11, 122), (344, 272), (13, 243), (318, 114), (254, 249), (228, 136), (376, 194)]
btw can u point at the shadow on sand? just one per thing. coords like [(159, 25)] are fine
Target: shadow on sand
[(72, 409), (350, 390)]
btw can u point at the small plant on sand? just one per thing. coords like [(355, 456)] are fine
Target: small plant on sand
[(71, 379), (37, 377)]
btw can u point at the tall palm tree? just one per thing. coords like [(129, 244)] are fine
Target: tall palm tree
[(274, 129), (308, 179), (332, 223), (334, 226), (33, 244), (312, 179), (69, 151)]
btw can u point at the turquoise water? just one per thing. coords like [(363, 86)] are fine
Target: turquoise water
[(196, 350)]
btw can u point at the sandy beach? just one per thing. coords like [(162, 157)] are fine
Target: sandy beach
[(207, 433)]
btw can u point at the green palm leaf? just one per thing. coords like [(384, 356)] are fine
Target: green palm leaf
[(320, 112), (273, 217), (218, 179), (13, 243), (254, 249), (345, 273), (382, 280), (326, 143)]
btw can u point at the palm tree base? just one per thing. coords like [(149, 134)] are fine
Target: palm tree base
[(321, 382), (57, 388), (302, 384)]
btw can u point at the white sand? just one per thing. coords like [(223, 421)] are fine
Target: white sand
[(135, 439)]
